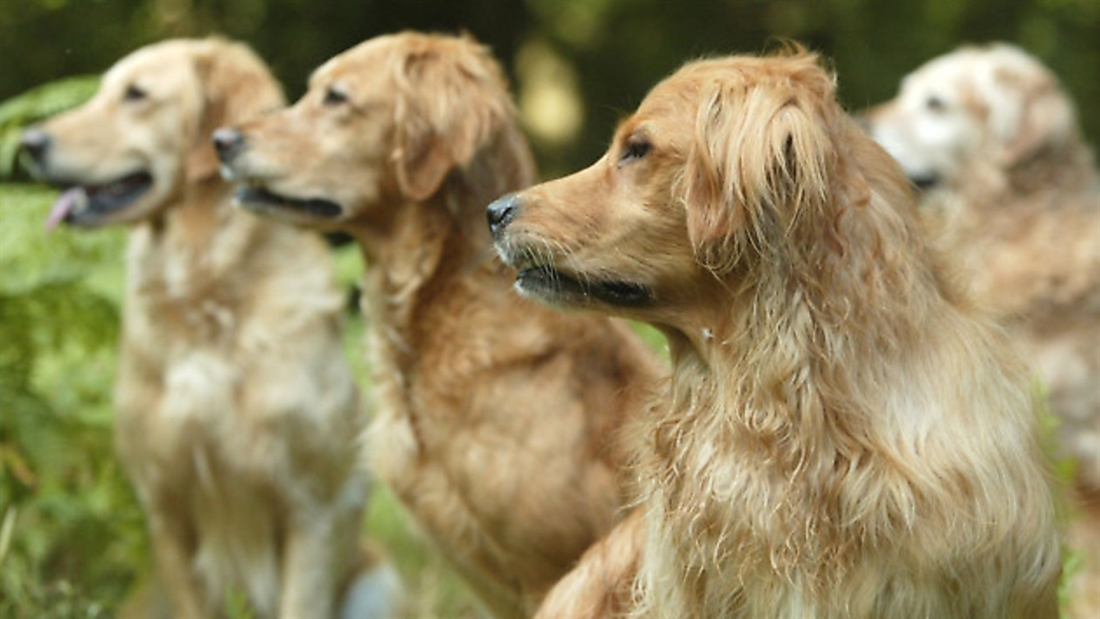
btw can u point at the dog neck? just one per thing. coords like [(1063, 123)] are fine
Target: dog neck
[(774, 381), (193, 246), (771, 365), (424, 249), (991, 184)]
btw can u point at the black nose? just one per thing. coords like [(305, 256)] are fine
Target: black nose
[(35, 142), (501, 212), (228, 142)]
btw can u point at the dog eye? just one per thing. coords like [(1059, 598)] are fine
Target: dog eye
[(334, 97), (134, 93), (936, 104), (634, 149)]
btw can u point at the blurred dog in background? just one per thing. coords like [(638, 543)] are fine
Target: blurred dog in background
[(496, 418), (237, 418), (847, 435), (1011, 190)]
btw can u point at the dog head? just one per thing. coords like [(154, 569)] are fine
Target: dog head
[(727, 165), (383, 123), (977, 106), (129, 151)]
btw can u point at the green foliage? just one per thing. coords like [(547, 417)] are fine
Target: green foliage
[(1064, 470), (35, 105), (236, 605), (74, 532)]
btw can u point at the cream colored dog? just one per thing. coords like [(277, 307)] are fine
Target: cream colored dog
[(236, 416), (497, 420), (1013, 192), (847, 435)]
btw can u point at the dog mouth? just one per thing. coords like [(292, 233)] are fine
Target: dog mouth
[(256, 197), (553, 285), (86, 205)]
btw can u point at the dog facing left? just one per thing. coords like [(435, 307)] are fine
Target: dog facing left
[(237, 419), (846, 433)]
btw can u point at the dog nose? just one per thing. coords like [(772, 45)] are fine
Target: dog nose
[(501, 212), (35, 142), (228, 142)]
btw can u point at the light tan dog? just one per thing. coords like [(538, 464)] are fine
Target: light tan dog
[(496, 418), (1013, 191), (847, 436), (237, 418)]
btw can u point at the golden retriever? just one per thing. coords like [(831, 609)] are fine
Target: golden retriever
[(1012, 189), (237, 418), (496, 417), (846, 436)]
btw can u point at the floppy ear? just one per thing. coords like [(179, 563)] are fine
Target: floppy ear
[(757, 163), (450, 103), (1045, 117), (236, 85)]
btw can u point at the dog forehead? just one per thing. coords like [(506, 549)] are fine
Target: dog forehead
[(673, 101), (156, 63), (358, 67), (968, 68), (982, 77), (919, 83)]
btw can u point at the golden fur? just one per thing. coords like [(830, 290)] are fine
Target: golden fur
[(237, 418), (603, 581), (847, 435), (495, 417), (1014, 193)]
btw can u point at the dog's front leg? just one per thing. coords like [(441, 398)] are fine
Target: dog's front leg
[(172, 547), (311, 564)]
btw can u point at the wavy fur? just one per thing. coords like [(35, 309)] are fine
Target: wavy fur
[(848, 435)]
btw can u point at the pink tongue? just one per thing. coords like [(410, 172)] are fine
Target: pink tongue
[(62, 208)]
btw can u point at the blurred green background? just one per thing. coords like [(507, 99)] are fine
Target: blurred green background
[(72, 542), (577, 64)]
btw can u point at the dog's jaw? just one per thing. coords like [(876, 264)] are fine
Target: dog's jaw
[(260, 199), (260, 195), (539, 277), (92, 205)]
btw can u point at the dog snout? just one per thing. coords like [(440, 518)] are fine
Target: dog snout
[(228, 142), (501, 212), (35, 142)]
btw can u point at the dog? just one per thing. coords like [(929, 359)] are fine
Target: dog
[(846, 433), (496, 418), (1012, 189), (237, 418)]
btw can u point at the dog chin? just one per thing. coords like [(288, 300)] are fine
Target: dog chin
[(553, 287), (303, 210)]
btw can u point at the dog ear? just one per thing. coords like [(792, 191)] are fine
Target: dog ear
[(758, 161), (236, 85), (450, 103), (1040, 116)]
